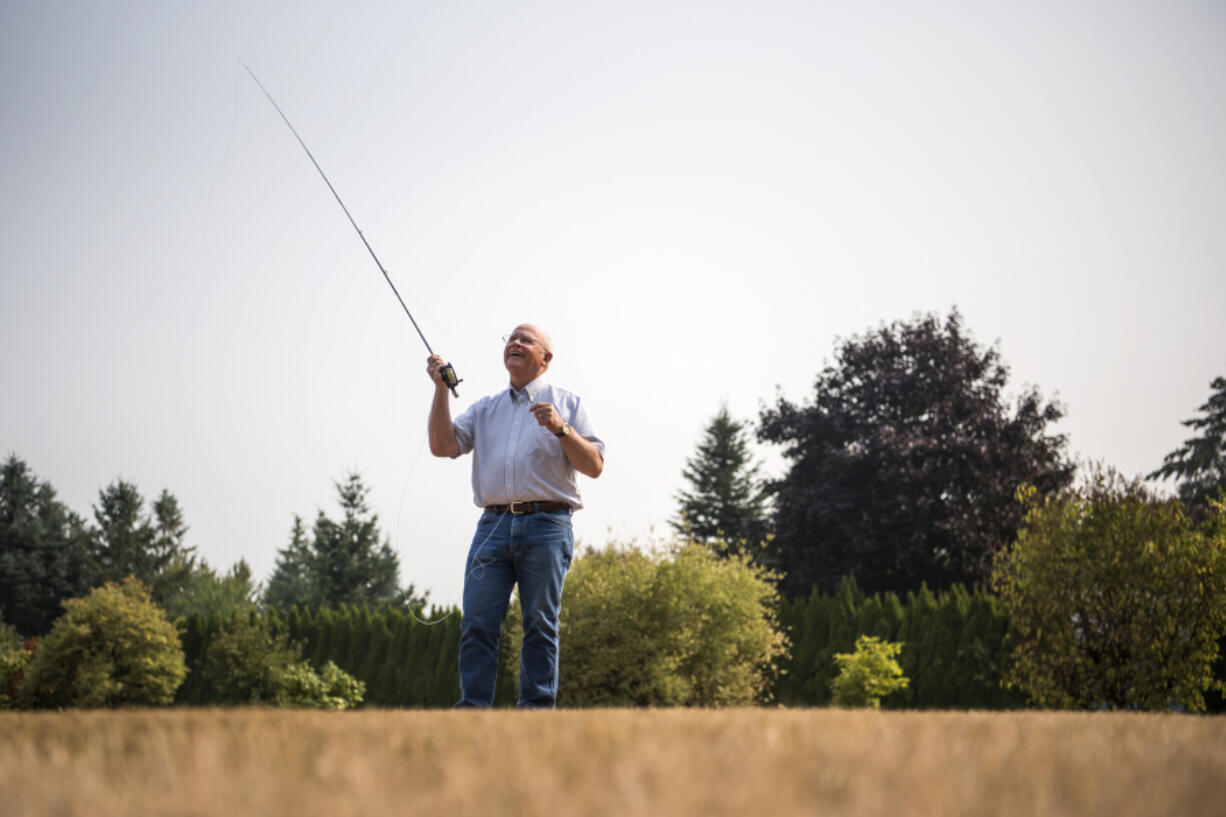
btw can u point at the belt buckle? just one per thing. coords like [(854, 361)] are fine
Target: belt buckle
[(519, 508)]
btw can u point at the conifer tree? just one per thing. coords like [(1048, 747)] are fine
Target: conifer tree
[(345, 561), (43, 548), (724, 503), (128, 541), (1200, 463)]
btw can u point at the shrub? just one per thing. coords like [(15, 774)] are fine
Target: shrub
[(680, 628), (246, 661), (249, 662), (867, 675), (331, 688), (14, 658), (113, 647), (1118, 599)]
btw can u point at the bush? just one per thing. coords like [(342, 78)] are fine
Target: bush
[(867, 675), (249, 662), (332, 688), (113, 647), (14, 658), (245, 663), (1118, 599), (682, 628)]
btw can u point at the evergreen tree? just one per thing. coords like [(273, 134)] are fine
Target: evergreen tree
[(229, 594), (291, 582), (724, 505), (43, 551), (1200, 463), (342, 562), (354, 566), (127, 541)]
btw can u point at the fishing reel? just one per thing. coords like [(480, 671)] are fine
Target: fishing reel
[(450, 378)]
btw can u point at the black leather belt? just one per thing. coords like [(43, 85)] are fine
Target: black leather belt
[(518, 508)]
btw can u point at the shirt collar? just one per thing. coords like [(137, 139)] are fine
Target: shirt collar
[(532, 390)]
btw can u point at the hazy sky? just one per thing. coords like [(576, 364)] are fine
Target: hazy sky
[(695, 198)]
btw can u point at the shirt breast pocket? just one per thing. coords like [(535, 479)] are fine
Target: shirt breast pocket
[(542, 447)]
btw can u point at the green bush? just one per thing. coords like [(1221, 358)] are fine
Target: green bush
[(680, 628), (14, 658), (331, 688), (1118, 598), (867, 675), (249, 661), (246, 662), (113, 647)]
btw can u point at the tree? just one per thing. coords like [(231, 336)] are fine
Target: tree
[(292, 581), (227, 594), (904, 467), (1118, 599), (113, 647), (43, 551), (725, 503), (127, 541), (342, 562), (1200, 463)]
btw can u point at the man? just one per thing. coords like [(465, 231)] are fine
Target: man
[(527, 442)]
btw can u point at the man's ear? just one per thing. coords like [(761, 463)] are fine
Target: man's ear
[(548, 356)]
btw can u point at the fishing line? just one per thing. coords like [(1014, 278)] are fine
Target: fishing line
[(447, 372), (396, 537), (208, 212), (478, 565)]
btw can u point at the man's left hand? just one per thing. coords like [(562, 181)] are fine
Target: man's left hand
[(547, 416)]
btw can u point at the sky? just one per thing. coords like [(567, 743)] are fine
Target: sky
[(697, 200)]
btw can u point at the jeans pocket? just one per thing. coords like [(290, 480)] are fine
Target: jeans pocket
[(559, 518)]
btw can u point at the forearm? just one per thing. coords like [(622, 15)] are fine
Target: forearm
[(443, 442), (583, 455)]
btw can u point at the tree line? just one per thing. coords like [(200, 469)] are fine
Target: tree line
[(49, 553), (909, 472), (912, 484)]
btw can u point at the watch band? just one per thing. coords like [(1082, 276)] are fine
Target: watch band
[(564, 432)]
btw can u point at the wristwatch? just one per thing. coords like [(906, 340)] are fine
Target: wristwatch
[(564, 432)]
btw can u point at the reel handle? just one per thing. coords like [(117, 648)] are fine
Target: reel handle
[(450, 378)]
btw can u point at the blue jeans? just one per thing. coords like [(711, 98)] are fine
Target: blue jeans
[(533, 550)]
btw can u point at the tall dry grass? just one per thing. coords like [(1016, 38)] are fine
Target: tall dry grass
[(608, 762)]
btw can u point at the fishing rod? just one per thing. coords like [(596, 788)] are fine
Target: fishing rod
[(447, 373)]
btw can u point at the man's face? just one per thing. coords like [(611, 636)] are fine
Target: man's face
[(524, 355)]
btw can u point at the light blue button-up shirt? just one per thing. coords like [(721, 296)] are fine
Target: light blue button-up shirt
[(516, 459)]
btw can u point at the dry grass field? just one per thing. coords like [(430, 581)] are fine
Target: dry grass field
[(608, 762)]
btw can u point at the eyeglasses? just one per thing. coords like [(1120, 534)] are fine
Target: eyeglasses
[(520, 338)]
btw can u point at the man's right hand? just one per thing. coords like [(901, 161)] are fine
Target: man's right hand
[(434, 367), (443, 442)]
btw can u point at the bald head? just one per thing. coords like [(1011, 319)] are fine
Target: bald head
[(536, 332), (527, 354)]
